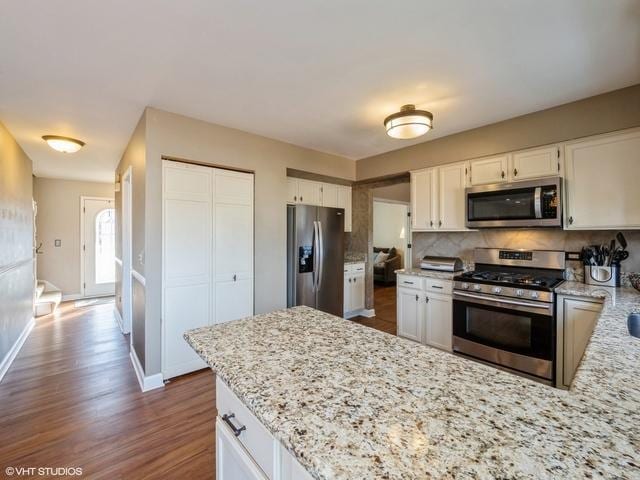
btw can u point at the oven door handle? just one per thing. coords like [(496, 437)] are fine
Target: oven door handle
[(545, 306)]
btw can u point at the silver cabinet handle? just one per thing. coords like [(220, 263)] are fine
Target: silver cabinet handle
[(426, 299), (515, 172), (235, 277), (440, 223), (436, 286), (236, 430), (407, 282), (417, 298)]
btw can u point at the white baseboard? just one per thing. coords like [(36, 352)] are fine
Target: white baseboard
[(13, 352), (118, 317), (146, 383), (78, 296), (361, 313)]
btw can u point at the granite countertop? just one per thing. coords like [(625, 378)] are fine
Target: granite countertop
[(351, 402), (350, 258), (428, 273)]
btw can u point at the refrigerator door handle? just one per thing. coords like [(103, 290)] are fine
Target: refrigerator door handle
[(321, 259), (314, 276)]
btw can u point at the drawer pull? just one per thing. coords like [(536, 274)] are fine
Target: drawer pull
[(436, 286), (408, 283), (236, 431)]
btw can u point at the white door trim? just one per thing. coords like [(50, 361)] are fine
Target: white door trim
[(82, 199), (127, 252)]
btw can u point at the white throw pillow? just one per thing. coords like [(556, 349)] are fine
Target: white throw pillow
[(381, 258)]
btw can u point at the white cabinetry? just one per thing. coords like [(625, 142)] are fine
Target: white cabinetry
[(354, 275), (576, 319), (245, 450), (489, 170), (423, 199), (535, 163), (308, 192), (424, 310), (437, 198), (344, 201), (207, 255), (602, 182)]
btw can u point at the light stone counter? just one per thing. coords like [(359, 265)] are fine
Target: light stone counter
[(418, 272), (350, 402)]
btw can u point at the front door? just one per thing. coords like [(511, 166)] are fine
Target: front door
[(98, 247)]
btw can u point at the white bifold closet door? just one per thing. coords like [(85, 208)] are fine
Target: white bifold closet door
[(207, 255)]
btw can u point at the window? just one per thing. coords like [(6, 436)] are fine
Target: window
[(105, 246)]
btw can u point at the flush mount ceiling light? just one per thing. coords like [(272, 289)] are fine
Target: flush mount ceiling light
[(63, 144), (408, 123)]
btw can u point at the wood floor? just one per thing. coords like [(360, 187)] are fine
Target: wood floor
[(71, 399), (384, 300)]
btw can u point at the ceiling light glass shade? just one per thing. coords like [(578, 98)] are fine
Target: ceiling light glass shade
[(408, 123), (63, 144)]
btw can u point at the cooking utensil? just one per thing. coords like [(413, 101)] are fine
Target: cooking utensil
[(612, 249), (621, 240)]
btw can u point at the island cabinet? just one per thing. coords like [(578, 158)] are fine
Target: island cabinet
[(245, 449), (576, 319), (354, 279), (601, 182), (424, 310)]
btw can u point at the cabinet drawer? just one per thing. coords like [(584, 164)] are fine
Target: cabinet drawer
[(410, 281), (254, 437), (438, 286)]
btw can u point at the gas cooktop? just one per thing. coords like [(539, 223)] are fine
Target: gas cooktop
[(510, 279)]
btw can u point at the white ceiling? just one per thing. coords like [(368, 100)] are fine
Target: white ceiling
[(317, 73)]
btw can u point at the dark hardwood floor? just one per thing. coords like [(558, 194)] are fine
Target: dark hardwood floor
[(384, 299), (71, 399)]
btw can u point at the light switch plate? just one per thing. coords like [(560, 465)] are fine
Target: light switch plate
[(57, 242)]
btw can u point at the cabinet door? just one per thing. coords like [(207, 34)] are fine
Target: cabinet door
[(535, 163), (357, 291), (410, 314), (347, 292), (438, 322), (451, 184), (292, 190), (579, 320), (489, 170), (309, 192), (344, 201), (233, 462), (602, 182), (329, 195), (423, 199)]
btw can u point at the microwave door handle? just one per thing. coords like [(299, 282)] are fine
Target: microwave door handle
[(538, 202)]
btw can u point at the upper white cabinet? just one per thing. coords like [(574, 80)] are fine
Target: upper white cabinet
[(423, 200), (437, 197), (535, 163), (309, 192), (452, 180), (601, 188), (489, 170), (329, 195), (344, 201)]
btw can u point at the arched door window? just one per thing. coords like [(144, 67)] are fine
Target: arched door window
[(105, 246)]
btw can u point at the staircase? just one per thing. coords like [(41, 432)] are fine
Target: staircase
[(48, 297)]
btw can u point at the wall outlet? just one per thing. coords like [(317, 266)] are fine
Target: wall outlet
[(57, 243)]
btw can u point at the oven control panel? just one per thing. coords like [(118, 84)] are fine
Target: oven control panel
[(515, 255), (498, 291)]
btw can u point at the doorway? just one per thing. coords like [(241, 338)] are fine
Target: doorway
[(97, 243), (127, 298)]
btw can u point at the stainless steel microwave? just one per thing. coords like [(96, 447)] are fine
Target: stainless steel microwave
[(535, 203)]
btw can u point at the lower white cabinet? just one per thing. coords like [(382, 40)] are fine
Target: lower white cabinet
[(576, 319), (424, 311), (354, 275), (245, 450)]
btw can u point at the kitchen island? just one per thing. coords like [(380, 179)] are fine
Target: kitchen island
[(349, 402)]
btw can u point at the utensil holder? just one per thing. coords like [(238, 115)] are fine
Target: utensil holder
[(602, 276)]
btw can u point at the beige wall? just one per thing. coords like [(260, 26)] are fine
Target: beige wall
[(16, 242), (134, 158), (400, 192), (616, 110), (59, 218), (174, 135)]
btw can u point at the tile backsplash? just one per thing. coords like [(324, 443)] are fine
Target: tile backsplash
[(462, 244)]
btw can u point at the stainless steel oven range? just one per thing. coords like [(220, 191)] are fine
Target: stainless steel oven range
[(504, 311)]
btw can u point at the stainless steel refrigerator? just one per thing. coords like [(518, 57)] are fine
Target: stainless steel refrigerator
[(315, 257)]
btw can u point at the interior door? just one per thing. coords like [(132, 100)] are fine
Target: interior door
[(233, 248), (187, 247), (98, 247), (331, 261)]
